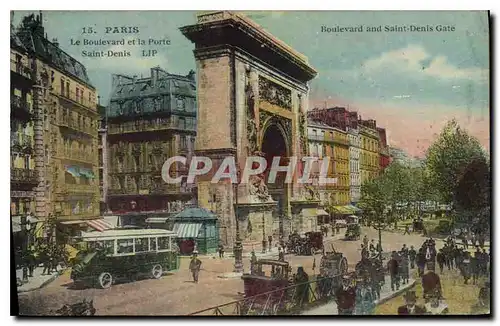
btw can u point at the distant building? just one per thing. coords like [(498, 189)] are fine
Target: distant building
[(149, 120), (385, 157), (400, 156), (370, 156), (354, 154)]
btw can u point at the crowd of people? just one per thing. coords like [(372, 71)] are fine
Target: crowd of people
[(49, 255)]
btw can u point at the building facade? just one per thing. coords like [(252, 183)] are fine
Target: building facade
[(385, 157), (354, 156), (103, 157), (340, 144), (369, 154), (66, 155), (23, 177), (148, 121)]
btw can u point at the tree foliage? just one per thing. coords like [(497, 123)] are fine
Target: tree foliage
[(448, 157)]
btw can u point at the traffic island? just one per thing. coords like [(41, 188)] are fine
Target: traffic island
[(230, 275), (37, 281)]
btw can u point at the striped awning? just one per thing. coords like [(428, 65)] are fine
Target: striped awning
[(157, 220), (99, 224), (187, 230)]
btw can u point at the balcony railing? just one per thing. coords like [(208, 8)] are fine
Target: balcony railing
[(161, 189), (17, 103), (149, 125), (81, 100), (78, 188), (77, 155), (20, 68), (26, 176), (23, 144), (65, 121)]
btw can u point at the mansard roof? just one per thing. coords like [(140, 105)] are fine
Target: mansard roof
[(31, 36)]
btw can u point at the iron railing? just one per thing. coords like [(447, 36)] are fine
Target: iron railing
[(24, 176), (291, 300)]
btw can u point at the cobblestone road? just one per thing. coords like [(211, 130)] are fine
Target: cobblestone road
[(176, 294)]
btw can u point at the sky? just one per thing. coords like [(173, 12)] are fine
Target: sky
[(411, 83)]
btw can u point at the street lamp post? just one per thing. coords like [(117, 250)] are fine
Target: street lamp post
[(264, 242), (238, 246)]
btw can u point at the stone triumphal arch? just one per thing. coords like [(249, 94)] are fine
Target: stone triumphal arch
[(252, 100)]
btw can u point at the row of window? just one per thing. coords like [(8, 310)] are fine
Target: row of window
[(370, 144), (369, 159), (132, 245), (79, 95)]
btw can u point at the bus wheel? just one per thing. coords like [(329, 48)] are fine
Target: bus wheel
[(156, 271), (105, 280)]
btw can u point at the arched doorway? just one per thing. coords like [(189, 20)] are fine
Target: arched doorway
[(274, 144)]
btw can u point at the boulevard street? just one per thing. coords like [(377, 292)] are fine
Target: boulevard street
[(171, 294)]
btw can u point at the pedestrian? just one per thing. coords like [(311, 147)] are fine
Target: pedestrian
[(475, 267), (420, 259), (345, 297), (411, 307), (281, 254), (46, 261), (431, 285), (365, 241), (393, 268), (412, 254), (404, 268), (407, 230), (465, 267), (253, 263), (372, 246), (365, 298), (270, 241), (301, 280), (404, 250), (195, 266), (221, 251), (440, 260)]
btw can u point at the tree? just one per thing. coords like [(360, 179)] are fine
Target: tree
[(447, 158)]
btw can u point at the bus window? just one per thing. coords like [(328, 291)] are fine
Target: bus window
[(141, 244), (109, 247), (163, 243), (152, 244), (125, 246)]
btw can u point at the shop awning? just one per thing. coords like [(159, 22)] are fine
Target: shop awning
[(187, 230), (73, 170), (159, 220), (99, 224), (70, 222), (87, 173), (341, 210), (322, 212), (354, 208)]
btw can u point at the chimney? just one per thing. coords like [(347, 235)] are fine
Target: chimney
[(191, 75), (154, 76), (56, 43)]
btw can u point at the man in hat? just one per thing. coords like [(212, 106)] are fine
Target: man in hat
[(345, 297), (393, 267), (221, 250), (411, 307), (253, 263), (195, 266), (281, 254), (441, 260), (412, 255), (301, 279), (431, 283), (372, 246)]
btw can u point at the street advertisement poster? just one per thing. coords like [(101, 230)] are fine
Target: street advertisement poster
[(244, 163)]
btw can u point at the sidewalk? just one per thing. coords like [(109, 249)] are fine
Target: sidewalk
[(37, 281), (386, 294)]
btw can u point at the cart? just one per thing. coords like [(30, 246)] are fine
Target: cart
[(269, 276), (333, 266)]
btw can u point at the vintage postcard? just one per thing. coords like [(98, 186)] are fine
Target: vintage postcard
[(250, 163)]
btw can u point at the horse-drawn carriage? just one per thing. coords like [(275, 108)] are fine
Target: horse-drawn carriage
[(307, 244), (333, 266), (353, 231), (266, 287)]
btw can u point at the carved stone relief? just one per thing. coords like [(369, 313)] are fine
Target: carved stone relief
[(275, 94)]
